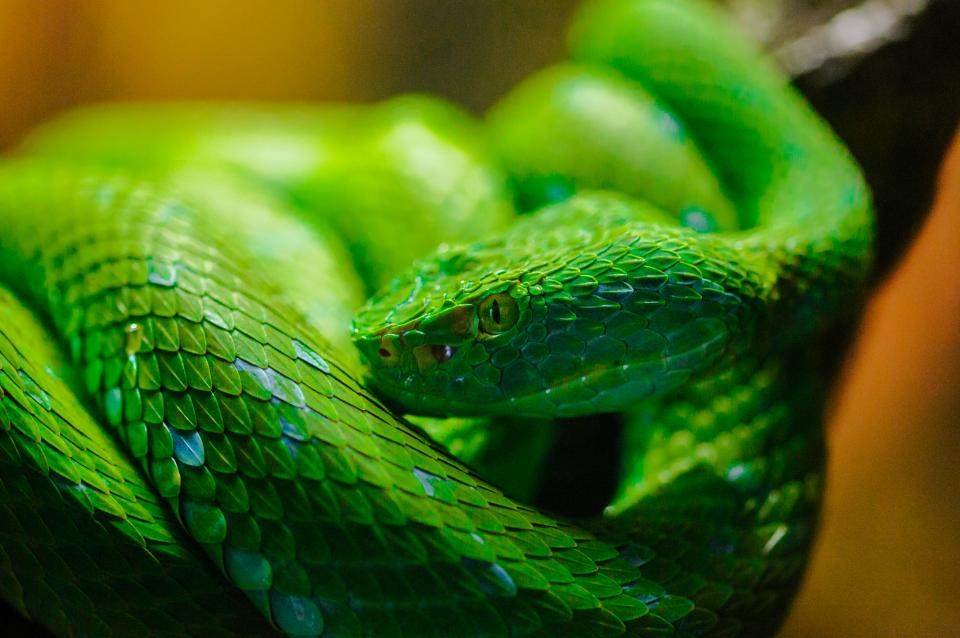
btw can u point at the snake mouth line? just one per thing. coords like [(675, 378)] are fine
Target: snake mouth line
[(510, 405)]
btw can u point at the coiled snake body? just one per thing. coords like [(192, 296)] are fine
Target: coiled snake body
[(179, 275)]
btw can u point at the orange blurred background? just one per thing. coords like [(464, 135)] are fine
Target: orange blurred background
[(58, 53), (887, 562), (888, 559)]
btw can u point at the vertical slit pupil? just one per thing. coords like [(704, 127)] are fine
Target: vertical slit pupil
[(495, 312)]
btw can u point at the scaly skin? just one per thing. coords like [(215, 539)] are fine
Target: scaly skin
[(410, 167), (80, 525), (372, 173), (174, 286)]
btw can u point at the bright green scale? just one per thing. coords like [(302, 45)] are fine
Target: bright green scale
[(193, 263)]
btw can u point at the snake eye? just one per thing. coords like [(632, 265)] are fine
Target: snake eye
[(498, 313)]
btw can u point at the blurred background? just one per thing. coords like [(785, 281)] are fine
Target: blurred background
[(885, 73)]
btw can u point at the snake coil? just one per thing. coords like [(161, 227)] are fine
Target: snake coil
[(179, 274)]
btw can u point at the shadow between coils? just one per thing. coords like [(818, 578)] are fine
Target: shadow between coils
[(583, 466)]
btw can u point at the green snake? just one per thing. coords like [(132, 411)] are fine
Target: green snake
[(192, 446)]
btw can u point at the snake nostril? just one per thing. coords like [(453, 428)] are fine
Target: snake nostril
[(389, 353)]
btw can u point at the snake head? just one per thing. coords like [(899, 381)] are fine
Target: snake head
[(585, 307), (427, 336)]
